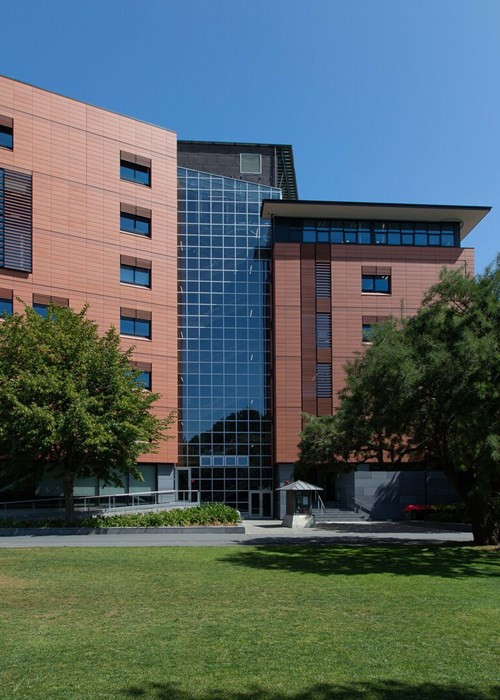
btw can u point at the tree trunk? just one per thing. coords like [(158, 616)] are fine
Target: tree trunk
[(485, 529), (69, 502)]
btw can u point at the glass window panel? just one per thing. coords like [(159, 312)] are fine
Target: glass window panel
[(336, 237), (447, 239), (309, 236), (351, 237), (364, 237), (434, 239), (407, 238), (366, 332), (126, 326), (6, 137), (394, 239), (382, 283), (420, 239), (145, 379), (41, 309), (5, 306), (142, 277), (380, 238), (367, 283), (127, 274)]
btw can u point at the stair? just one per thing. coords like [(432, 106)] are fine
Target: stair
[(335, 512)]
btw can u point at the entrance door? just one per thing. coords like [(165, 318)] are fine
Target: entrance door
[(260, 504), (183, 484)]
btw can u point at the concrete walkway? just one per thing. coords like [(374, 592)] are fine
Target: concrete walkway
[(257, 532)]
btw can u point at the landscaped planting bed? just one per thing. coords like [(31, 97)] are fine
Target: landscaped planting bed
[(206, 514), (250, 623)]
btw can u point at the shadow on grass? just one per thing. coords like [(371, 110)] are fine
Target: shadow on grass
[(376, 690), (433, 560)]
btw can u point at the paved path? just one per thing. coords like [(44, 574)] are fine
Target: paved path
[(263, 532)]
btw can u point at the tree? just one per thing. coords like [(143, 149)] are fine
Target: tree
[(428, 389), (70, 402)]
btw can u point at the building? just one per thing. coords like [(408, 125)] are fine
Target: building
[(243, 302)]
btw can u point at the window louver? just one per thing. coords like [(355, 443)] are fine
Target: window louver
[(324, 380), (323, 330), (323, 280), (15, 220)]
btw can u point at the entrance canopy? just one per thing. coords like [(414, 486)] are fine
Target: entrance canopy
[(299, 486)]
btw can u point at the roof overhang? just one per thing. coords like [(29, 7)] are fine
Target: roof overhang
[(467, 217)]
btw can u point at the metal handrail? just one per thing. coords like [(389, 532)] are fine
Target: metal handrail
[(84, 502), (357, 505), (319, 503)]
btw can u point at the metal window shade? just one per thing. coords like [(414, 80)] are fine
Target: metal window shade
[(323, 330), (15, 220), (323, 280), (324, 380)]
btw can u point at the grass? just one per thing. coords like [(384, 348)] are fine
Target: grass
[(250, 623)]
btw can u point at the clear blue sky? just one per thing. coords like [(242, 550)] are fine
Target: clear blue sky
[(382, 100)]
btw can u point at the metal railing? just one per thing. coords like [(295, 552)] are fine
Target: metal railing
[(356, 505), (318, 504), (111, 501)]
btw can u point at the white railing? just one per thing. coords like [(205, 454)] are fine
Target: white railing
[(138, 499), (318, 504)]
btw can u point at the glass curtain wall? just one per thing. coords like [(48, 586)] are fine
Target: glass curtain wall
[(224, 337)]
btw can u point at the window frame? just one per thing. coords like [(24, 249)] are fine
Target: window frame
[(135, 269), (251, 172), (365, 276), (8, 131), (135, 320), (135, 218), (6, 300)]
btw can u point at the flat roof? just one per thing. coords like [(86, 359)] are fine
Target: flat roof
[(235, 143), (87, 104), (467, 216)]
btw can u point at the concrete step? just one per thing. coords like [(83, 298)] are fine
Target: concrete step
[(334, 515)]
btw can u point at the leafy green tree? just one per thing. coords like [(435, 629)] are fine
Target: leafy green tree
[(70, 402), (427, 389)]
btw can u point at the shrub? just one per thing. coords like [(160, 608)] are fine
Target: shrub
[(204, 514)]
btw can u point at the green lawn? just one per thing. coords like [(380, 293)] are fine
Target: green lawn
[(252, 623)]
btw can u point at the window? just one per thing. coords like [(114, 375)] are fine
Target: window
[(366, 332), (324, 380), (367, 324), (135, 220), (353, 232), (6, 132), (135, 168), (135, 271), (42, 301), (41, 309), (323, 280), (6, 306), (323, 330), (250, 163), (134, 322), (145, 379), (376, 280)]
